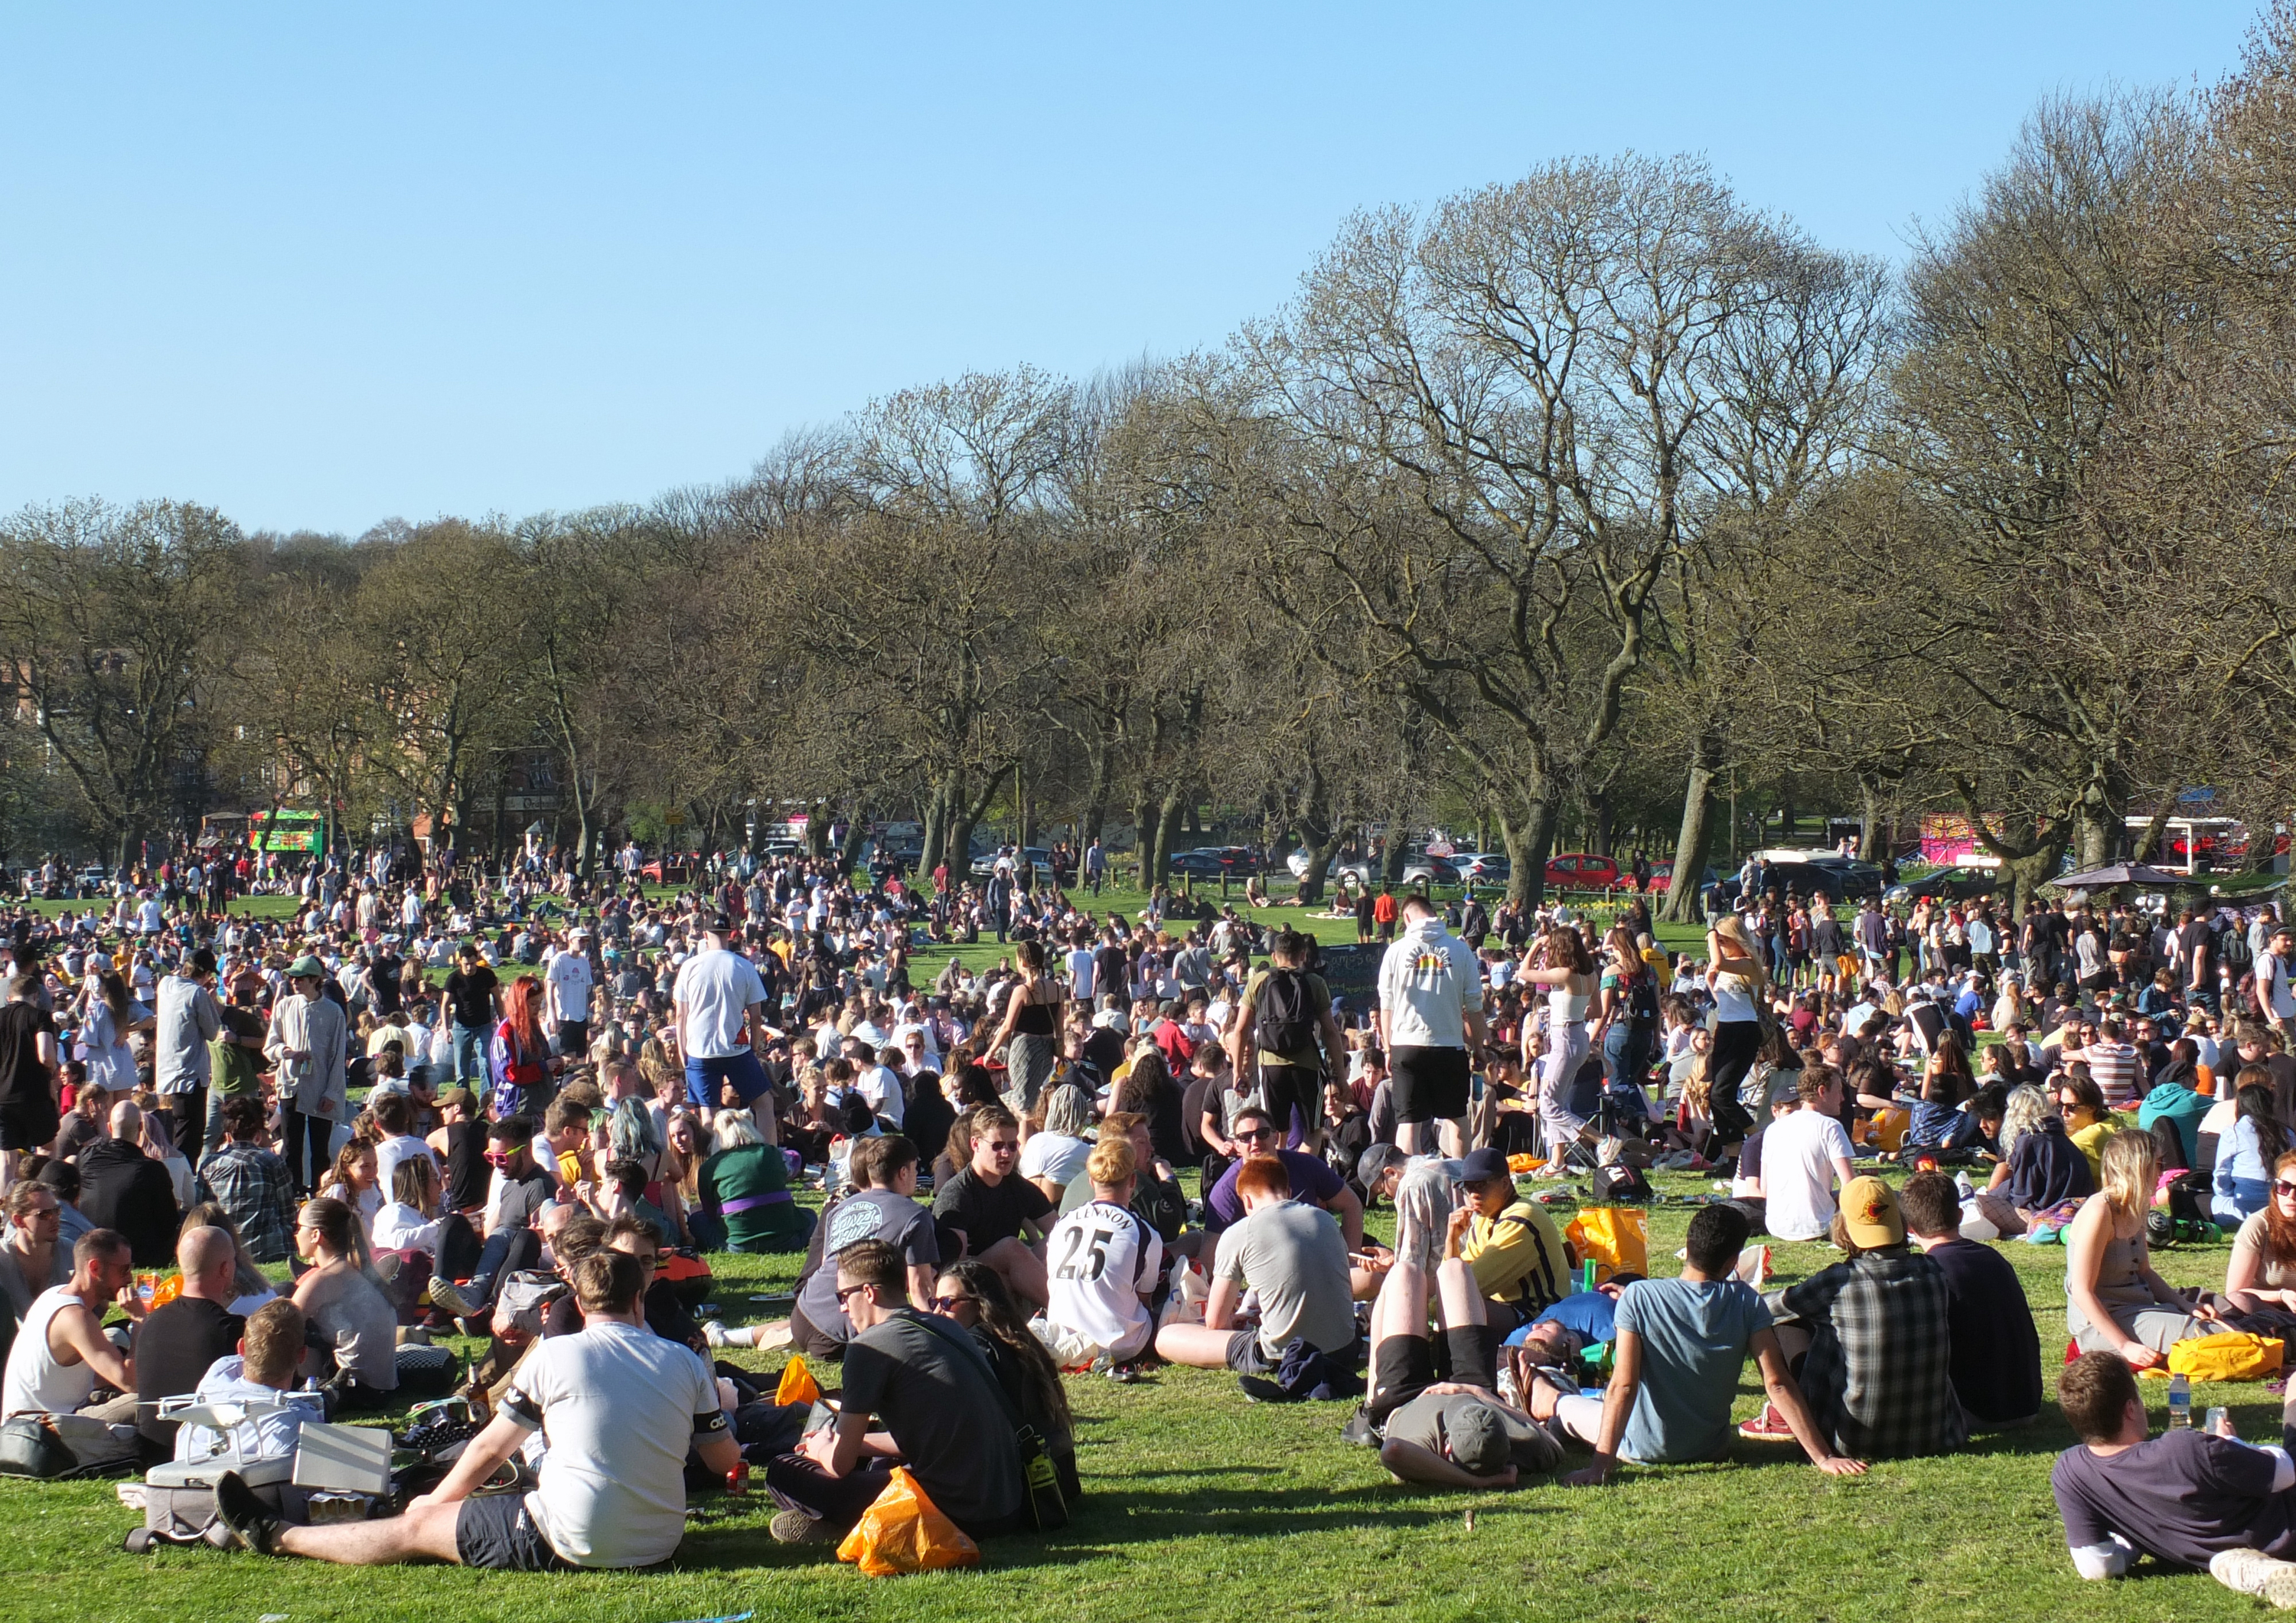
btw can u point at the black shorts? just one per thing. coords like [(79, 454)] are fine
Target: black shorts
[(1245, 1356), (574, 1039), (1404, 1366), (1282, 1086), (23, 1128), (1430, 1083), (495, 1532)]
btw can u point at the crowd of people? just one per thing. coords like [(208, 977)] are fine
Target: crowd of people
[(561, 1105)]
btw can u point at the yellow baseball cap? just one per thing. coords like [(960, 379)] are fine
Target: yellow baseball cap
[(1869, 1212)]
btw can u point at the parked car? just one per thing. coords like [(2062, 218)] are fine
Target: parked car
[(1837, 879), (985, 864), (1661, 880), (1430, 870), (1952, 883), (93, 880), (1484, 867), (1212, 861), (667, 870), (1580, 871)]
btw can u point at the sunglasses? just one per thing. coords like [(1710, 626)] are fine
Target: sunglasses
[(944, 1303), (849, 1290), (1257, 1132), (1003, 1148), (2282, 1186), (496, 1158)]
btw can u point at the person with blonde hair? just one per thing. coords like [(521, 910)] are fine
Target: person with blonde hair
[(1105, 1263), (2116, 1302), (745, 1189), (1737, 977)]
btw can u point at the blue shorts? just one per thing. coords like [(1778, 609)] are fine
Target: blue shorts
[(702, 1077)]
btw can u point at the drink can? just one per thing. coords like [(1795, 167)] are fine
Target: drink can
[(737, 1480)]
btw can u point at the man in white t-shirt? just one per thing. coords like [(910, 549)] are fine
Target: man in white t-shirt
[(569, 983), (719, 1003), (619, 1405), (1105, 1263), (1803, 1156), (1430, 1016)]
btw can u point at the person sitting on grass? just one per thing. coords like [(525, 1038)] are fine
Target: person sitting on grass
[(1293, 1256), (882, 1205), (1436, 1402), (2044, 1171), (997, 1215), (1511, 1247), (1996, 1352), (1255, 1134), (1869, 1340), (1680, 1345), (2185, 1497), (2116, 1302), (61, 1363), (944, 1417), (745, 1189), (268, 1363), (619, 1407), (2260, 1281), (1105, 1266)]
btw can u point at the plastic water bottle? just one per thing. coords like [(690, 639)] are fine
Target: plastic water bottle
[(1961, 1183), (2180, 1403)]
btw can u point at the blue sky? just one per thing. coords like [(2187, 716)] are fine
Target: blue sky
[(320, 266)]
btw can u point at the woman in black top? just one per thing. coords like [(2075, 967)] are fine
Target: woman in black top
[(1029, 1034)]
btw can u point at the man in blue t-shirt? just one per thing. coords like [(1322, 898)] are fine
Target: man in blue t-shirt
[(1680, 1344)]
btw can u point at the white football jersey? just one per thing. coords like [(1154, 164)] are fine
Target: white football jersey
[(1100, 1258)]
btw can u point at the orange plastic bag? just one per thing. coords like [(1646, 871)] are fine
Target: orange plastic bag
[(903, 1531), (1523, 1166), (1617, 1237), (798, 1385)]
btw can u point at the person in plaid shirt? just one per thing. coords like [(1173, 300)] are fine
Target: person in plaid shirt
[(1878, 1374), (251, 1182)]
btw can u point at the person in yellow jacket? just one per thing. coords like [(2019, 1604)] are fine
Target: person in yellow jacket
[(1512, 1247)]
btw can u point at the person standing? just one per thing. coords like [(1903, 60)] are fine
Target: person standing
[(1285, 1029), (1431, 1006), (467, 1002), (305, 1043), (1095, 866), (30, 1108), (189, 1019), (718, 1005), (2274, 994), (570, 981)]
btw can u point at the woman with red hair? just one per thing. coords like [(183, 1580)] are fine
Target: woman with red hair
[(520, 1055)]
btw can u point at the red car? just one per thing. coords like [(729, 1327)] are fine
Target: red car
[(667, 870), (1580, 871)]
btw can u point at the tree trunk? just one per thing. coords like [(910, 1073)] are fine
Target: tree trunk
[(1869, 830), (964, 815), (2148, 843), (1681, 905), (1528, 840), (1599, 824), (856, 830)]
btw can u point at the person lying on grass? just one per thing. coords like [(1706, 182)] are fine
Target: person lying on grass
[(618, 1405), (1443, 1420), (2185, 1497), (1680, 1345)]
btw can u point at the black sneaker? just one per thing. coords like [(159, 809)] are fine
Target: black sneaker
[(247, 1516), (1259, 1389), (1359, 1430)]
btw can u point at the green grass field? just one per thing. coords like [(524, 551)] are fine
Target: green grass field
[(1198, 1503)]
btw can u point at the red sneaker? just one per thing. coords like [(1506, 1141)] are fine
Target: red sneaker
[(1767, 1427)]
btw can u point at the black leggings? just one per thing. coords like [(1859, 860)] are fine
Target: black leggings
[(1737, 1044)]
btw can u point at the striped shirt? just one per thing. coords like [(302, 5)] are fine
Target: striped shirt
[(2114, 1068)]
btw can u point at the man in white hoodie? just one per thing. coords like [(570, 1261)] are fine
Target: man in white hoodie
[(1431, 1004)]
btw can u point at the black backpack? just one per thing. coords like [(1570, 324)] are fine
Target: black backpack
[(1282, 1022), (1642, 997)]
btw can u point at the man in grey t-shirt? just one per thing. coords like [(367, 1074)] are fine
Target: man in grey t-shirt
[(1294, 1258)]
